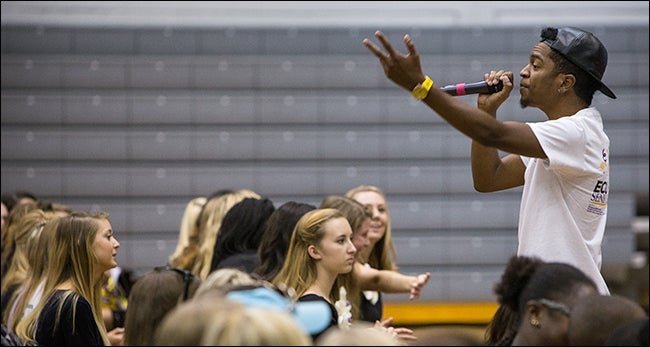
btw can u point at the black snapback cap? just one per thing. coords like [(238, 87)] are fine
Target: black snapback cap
[(581, 48)]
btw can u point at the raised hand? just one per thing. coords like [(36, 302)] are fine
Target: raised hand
[(404, 70)]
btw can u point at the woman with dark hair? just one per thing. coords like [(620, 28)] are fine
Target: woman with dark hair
[(209, 223), (240, 234), (540, 295), (275, 239)]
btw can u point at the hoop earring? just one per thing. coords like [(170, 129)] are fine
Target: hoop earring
[(535, 323)]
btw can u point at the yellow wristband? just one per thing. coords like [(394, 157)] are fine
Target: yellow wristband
[(422, 89)]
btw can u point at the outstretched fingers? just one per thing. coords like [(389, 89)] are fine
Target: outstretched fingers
[(409, 45), (384, 41), (374, 49)]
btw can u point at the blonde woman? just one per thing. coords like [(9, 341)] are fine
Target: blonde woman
[(223, 279), (210, 223), (380, 253), (82, 248), (320, 259), (27, 232), (359, 217), (253, 326), (188, 245), (186, 323)]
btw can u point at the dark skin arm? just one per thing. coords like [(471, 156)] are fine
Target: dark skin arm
[(490, 172), (480, 124)]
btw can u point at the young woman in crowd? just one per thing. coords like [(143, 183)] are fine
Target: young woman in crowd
[(320, 259), (380, 254), (82, 248)]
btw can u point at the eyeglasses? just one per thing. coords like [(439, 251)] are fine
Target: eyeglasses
[(554, 305), (188, 276)]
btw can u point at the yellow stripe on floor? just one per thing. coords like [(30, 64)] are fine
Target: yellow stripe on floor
[(424, 313)]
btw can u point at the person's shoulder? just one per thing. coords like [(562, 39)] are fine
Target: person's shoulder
[(245, 261), (72, 298), (312, 297), (590, 112)]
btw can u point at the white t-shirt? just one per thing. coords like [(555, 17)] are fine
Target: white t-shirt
[(564, 201)]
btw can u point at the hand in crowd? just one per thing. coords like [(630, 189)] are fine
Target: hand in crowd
[(403, 335), (416, 287), (116, 336)]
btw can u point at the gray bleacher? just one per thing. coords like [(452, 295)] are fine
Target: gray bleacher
[(137, 121)]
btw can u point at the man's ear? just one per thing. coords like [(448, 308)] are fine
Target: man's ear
[(314, 252), (568, 81)]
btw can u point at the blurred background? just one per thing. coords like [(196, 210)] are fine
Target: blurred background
[(134, 108)]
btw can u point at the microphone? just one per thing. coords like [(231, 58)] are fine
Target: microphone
[(472, 88)]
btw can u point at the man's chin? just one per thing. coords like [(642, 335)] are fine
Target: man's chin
[(523, 103)]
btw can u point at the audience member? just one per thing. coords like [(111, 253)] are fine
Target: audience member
[(501, 321), (27, 232), (61, 210), (225, 278), (15, 214), (153, 295), (390, 281), (29, 291), (252, 326), (8, 244), (359, 218), (312, 316), (201, 320), (631, 333), (320, 259), (82, 248), (188, 245), (240, 234), (186, 323), (276, 236), (18, 197), (380, 254), (542, 294), (359, 334), (594, 318), (210, 223)]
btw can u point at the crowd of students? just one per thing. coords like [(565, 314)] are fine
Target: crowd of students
[(248, 273)]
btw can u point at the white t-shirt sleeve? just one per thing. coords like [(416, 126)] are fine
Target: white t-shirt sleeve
[(563, 141)]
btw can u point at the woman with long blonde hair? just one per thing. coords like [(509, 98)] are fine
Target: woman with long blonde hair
[(320, 259), (380, 254), (21, 273), (82, 249), (187, 247)]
